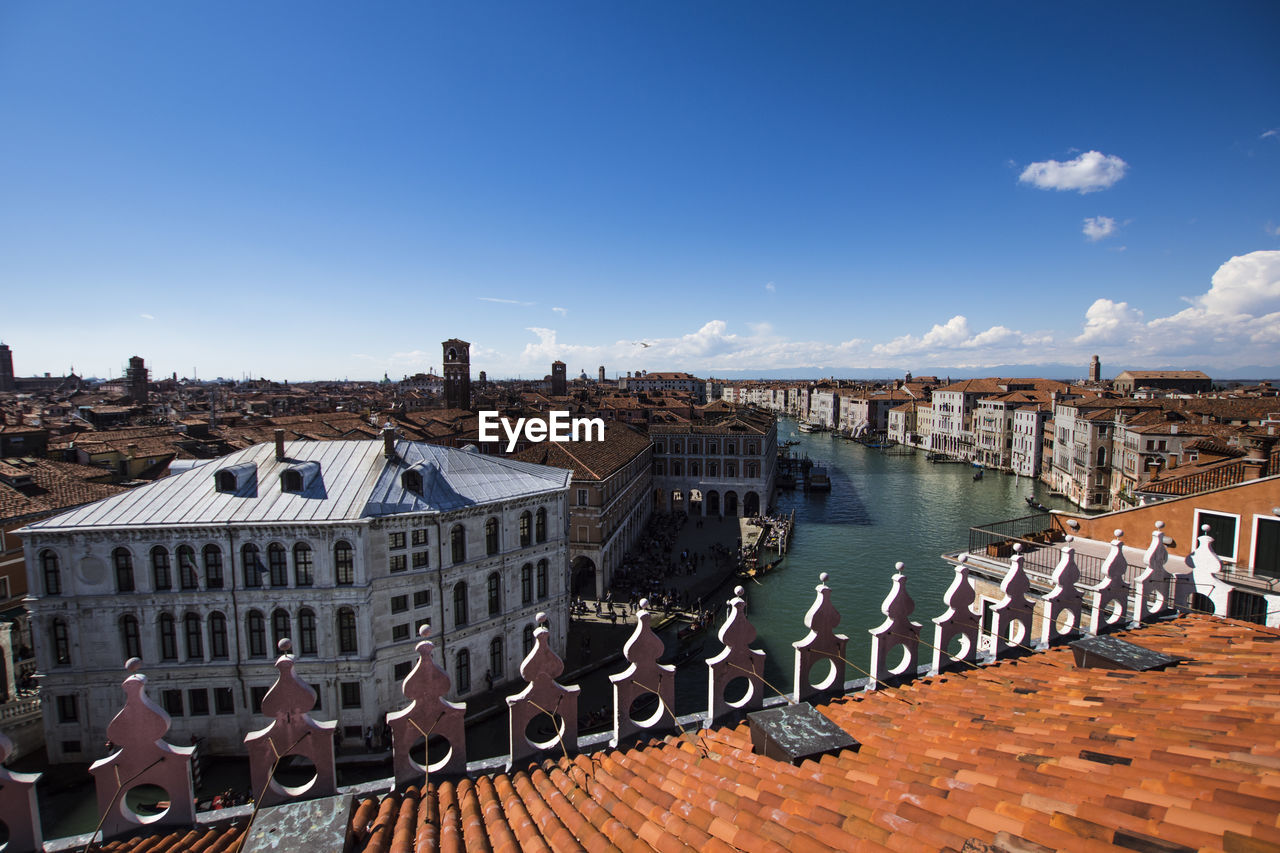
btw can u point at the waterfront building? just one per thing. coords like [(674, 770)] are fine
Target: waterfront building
[(1131, 382), (346, 547), (610, 501), (1026, 450), (672, 381), (722, 466), (867, 409), (824, 405)]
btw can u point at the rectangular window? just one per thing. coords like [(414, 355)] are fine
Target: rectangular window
[(223, 700), (71, 746), (417, 626), (419, 538), (422, 598), (399, 603), (67, 711), (172, 700), (1223, 528), (256, 695), (350, 694), (1266, 547), (198, 702), (402, 670), (400, 632), (399, 563), (397, 540), (421, 559), (582, 497)]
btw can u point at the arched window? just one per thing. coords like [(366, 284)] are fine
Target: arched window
[(677, 469), (1102, 456), (302, 565), (212, 567), (712, 469), (256, 629), (277, 564), (194, 636), (344, 564), (693, 468), (251, 559), (459, 604), (346, 631), (464, 671), (458, 543), (123, 562), (526, 529), (306, 632), (542, 579), (187, 578), (130, 638), (491, 536), (526, 583), (160, 569), (495, 595), (528, 639), (730, 448), (168, 637), (540, 525), (217, 635), (61, 642), (227, 481), (291, 481), (279, 626), (496, 657)]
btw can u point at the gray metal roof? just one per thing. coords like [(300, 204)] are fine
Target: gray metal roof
[(354, 480)]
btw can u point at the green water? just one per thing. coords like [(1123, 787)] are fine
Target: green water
[(881, 510)]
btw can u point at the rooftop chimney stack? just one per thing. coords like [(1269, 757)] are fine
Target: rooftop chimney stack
[(280, 457), (389, 441)]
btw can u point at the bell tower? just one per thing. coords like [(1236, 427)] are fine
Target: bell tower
[(457, 374)]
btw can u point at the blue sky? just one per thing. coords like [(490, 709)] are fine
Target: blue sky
[(310, 190)]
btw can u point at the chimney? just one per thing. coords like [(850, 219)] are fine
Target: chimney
[(389, 441), (1255, 463), (280, 445)]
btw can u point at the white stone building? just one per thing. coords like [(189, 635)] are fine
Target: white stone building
[(345, 547)]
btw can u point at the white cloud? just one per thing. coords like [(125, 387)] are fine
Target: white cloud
[(1089, 172), (146, 316), (561, 311), (1098, 227), (1273, 132), (505, 301), (952, 335), (1108, 322), (771, 287), (1272, 230)]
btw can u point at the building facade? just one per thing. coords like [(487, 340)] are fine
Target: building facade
[(723, 467), (345, 547)]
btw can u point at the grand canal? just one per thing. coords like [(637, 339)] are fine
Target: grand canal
[(881, 510)]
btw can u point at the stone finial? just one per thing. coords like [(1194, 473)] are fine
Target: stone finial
[(429, 714), (18, 807), (1151, 588), (959, 620), (1065, 602), (897, 630), (291, 732), (142, 757), (1011, 618), (1111, 596), (644, 676), (544, 703), (736, 660), (822, 643), (1206, 591)]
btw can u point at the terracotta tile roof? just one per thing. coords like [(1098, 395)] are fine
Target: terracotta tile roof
[(1027, 752), (51, 486), (590, 460)]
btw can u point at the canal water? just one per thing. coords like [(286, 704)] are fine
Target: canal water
[(881, 510)]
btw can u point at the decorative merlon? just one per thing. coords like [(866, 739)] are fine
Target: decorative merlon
[(291, 732), (1064, 604), (736, 660), (1011, 618), (896, 631), (142, 757), (544, 705), (428, 715), (1111, 596), (958, 622), (822, 643), (644, 676)]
